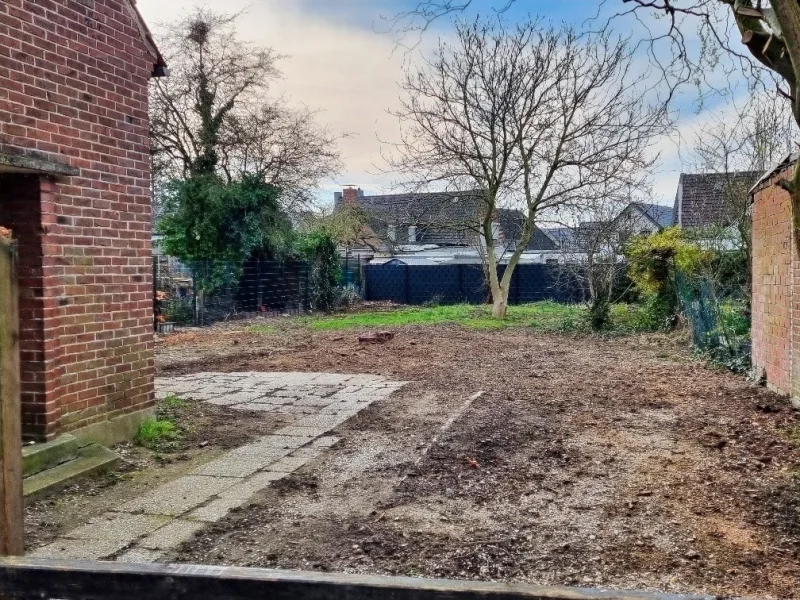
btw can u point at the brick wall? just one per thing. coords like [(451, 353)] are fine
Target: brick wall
[(774, 306), (73, 88)]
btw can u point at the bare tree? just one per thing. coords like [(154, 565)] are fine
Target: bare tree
[(535, 118), (592, 253), (739, 147), (759, 36), (214, 113)]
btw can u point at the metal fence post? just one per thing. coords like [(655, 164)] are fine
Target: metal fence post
[(11, 512), (308, 283), (407, 290)]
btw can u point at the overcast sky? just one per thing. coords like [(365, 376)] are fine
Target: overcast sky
[(341, 61)]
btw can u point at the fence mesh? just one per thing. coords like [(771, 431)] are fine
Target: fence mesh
[(718, 317), (450, 284), (208, 292)]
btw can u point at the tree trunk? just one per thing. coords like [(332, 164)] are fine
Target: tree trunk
[(500, 303)]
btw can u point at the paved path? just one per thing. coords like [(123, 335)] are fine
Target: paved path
[(143, 529)]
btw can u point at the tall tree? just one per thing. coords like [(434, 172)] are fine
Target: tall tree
[(759, 35), (534, 118), (214, 114)]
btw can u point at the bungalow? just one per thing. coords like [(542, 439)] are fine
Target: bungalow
[(437, 226)]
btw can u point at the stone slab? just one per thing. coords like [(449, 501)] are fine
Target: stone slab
[(234, 497), (172, 535), (79, 549), (288, 464), (178, 496), (140, 555), (326, 441), (236, 465), (306, 432), (122, 527)]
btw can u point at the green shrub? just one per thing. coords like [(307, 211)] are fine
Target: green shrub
[(319, 248), (655, 263)]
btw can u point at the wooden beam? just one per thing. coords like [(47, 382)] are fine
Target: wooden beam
[(11, 515), (83, 580)]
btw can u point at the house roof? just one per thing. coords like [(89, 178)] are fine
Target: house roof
[(511, 223), (661, 215), (442, 218), (434, 208), (564, 237), (701, 197), (160, 65)]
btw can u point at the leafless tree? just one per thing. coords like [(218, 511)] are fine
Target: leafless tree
[(739, 146), (757, 37), (592, 255), (533, 117), (214, 114)]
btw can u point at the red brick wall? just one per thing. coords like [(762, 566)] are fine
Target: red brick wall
[(774, 306), (73, 87)]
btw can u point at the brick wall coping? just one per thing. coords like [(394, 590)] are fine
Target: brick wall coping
[(28, 163), (786, 162)]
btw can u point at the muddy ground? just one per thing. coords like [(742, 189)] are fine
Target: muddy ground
[(595, 462), (616, 462)]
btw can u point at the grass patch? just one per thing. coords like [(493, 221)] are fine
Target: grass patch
[(542, 316), (158, 434), (263, 329), (172, 401)]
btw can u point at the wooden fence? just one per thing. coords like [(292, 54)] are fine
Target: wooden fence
[(28, 579), (11, 516)]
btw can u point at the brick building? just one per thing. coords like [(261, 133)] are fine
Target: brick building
[(75, 191), (775, 310)]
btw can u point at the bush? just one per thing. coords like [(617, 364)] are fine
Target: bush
[(319, 248), (655, 263), (179, 311)]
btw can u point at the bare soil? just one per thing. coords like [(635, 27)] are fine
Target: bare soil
[(599, 462)]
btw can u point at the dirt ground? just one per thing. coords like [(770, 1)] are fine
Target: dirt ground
[(594, 462), (616, 462)]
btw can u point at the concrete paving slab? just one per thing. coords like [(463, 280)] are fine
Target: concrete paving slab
[(172, 535), (320, 420), (121, 527), (178, 496), (79, 549), (287, 464), (305, 432), (326, 441), (140, 555), (238, 466)]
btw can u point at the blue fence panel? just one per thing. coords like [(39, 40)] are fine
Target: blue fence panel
[(450, 284)]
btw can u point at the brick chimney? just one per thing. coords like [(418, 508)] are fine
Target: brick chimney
[(350, 195)]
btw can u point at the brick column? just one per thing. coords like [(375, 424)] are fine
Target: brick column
[(21, 211)]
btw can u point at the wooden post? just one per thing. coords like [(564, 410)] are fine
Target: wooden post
[(11, 515)]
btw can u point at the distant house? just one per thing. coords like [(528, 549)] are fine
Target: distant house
[(640, 218), (711, 199), (439, 226)]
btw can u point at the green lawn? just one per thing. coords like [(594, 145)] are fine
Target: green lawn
[(544, 316)]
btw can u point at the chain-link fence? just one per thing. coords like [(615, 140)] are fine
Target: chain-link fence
[(208, 292), (718, 316)]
